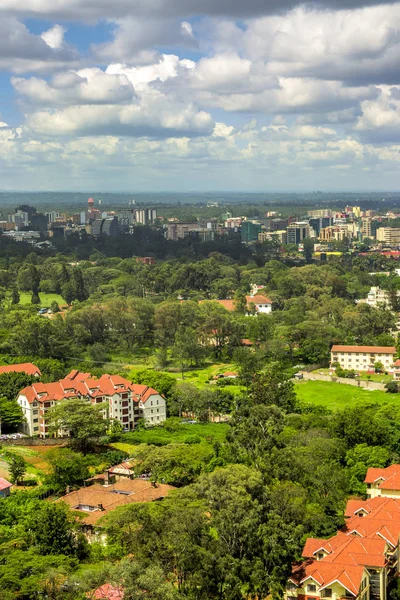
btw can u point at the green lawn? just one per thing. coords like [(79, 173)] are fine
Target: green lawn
[(45, 299), (337, 396), (159, 436)]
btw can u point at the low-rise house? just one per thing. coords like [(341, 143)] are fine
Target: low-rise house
[(257, 304), (363, 358), (123, 401), (27, 368), (5, 488), (92, 503)]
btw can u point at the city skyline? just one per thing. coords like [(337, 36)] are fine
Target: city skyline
[(164, 96)]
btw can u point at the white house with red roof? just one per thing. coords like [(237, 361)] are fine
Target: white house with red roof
[(123, 401)]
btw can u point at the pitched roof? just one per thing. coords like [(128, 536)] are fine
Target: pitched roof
[(373, 474), (326, 573), (78, 384), (107, 592), (366, 349), (258, 299), (28, 368), (4, 484), (313, 545), (106, 498)]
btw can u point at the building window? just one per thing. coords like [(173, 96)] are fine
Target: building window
[(36, 420), (326, 593), (311, 588)]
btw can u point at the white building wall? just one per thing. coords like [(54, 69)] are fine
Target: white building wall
[(154, 410)]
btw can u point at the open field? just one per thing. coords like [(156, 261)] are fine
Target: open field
[(337, 396), (45, 299), (159, 436)]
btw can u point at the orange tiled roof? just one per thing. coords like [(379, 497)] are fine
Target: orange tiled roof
[(136, 490), (367, 349), (325, 573), (374, 474), (28, 368), (258, 299), (77, 384), (107, 592)]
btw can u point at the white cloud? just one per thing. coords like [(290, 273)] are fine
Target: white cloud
[(86, 86), (54, 37)]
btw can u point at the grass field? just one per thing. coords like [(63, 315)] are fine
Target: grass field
[(159, 436), (337, 396), (45, 299)]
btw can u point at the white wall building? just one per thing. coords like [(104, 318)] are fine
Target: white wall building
[(363, 358)]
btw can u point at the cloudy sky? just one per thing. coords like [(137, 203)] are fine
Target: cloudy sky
[(179, 95)]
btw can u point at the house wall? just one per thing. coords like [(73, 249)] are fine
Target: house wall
[(154, 410), (338, 591), (362, 361)]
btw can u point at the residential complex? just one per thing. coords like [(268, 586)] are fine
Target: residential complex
[(389, 235), (123, 401), (363, 358), (360, 561)]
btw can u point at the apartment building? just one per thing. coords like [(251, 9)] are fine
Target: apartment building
[(363, 358), (388, 235), (366, 227), (362, 559), (123, 401), (383, 482)]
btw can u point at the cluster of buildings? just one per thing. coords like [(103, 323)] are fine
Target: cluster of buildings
[(361, 560), (28, 225), (123, 401)]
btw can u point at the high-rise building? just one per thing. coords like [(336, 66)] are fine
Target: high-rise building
[(297, 232), (366, 227), (249, 232)]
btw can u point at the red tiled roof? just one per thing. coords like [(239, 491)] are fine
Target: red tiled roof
[(374, 474), (107, 592), (28, 368), (4, 484), (325, 573), (258, 299), (369, 349), (313, 545), (77, 384)]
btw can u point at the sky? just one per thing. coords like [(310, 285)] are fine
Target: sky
[(199, 95)]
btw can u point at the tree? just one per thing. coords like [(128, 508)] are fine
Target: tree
[(35, 298), (11, 415), (247, 363), (17, 468), (85, 422), (308, 244), (240, 302), (67, 468), (378, 366), (54, 531), (392, 387), (12, 383), (55, 307), (186, 349), (15, 297)]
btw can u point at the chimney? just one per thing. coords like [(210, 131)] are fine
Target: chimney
[(153, 484), (100, 507), (67, 489)]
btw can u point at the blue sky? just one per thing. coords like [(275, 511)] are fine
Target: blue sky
[(164, 95)]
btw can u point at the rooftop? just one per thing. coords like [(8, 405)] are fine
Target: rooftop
[(366, 349)]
